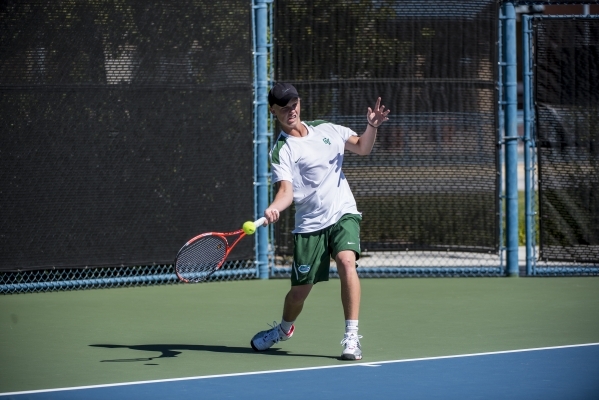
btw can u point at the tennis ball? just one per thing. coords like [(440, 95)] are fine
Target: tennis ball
[(249, 228)]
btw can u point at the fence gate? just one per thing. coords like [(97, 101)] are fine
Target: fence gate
[(429, 192), (561, 108)]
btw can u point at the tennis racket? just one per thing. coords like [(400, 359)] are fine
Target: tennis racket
[(204, 254)]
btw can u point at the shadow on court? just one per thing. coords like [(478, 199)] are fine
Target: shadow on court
[(173, 350)]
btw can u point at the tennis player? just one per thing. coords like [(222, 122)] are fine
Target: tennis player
[(306, 164)]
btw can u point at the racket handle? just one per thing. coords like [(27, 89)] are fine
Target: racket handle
[(259, 222)]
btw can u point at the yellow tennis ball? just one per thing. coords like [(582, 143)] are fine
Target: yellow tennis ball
[(249, 228)]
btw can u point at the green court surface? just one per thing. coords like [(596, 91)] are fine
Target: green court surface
[(91, 337)]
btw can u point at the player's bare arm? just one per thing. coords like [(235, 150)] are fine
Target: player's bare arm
[(362, 145), (283, 199)]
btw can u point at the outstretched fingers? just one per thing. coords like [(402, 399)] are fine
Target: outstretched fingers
[(377, 116)]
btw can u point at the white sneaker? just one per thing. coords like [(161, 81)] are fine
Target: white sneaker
[(351, 349), (264, 340)]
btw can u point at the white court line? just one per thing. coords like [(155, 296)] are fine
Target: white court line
[(358, 364)]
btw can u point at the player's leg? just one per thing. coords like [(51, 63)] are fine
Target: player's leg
[(350, 283), (311, 264), (350, 298), (345, 239), (292, 307), (294, 302)]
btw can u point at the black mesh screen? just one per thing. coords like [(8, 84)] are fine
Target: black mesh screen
[(126, 129), (431, 180), (567, 90), (558, 2)]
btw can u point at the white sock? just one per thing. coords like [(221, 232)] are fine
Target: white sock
[(351, 326), (286, 326)]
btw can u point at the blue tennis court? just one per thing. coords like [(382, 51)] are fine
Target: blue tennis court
[(568, 372)]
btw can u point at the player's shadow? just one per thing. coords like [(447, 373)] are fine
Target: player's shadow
[(173, 350)]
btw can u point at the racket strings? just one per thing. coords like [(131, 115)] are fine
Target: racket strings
[(201, 258)]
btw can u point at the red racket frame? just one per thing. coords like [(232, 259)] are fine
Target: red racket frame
[(228, 249)]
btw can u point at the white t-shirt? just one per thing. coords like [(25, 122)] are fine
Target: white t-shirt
[(313, 166)]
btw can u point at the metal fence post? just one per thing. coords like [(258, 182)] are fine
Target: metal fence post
[(511, 137), (261, 80), (527, 112)]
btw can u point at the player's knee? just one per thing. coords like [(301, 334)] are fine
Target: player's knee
[(346, 261)]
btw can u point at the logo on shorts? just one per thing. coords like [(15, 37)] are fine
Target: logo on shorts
[(304, 269)]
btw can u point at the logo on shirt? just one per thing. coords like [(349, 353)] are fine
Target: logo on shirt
[(327, 141)]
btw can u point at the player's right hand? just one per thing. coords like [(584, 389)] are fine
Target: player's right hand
[(272, 215)]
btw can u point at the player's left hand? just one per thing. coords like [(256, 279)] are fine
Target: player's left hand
[(378, 115)]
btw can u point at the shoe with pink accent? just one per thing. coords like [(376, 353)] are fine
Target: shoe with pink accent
[(264, 340)]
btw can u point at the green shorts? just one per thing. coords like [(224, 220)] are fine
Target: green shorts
[(313, 251)]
